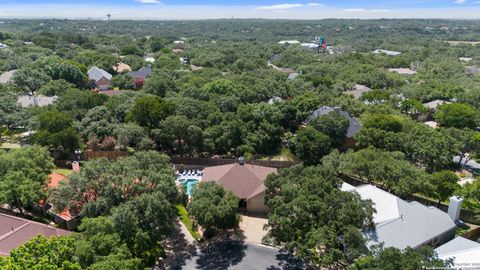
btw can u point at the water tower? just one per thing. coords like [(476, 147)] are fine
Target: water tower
[(109, 15)]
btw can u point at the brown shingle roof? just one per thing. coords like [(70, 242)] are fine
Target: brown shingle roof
[(15, 231), (245, 181)]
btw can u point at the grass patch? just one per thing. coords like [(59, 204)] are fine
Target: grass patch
[(66, 172), (183, 215), (462, 229), (284, 155)]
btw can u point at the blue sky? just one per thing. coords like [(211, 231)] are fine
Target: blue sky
[(289, 9)]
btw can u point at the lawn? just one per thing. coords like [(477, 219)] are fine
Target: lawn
[(183, 215), (65, 172)]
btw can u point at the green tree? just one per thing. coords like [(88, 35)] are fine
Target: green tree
[(395, 259), (445, 183), (42, 253), (456, 115), (159, 85), (55, 130), (334, 125), (312, 218), (311, 145), (23, 175), (214, 208), (148, 111)]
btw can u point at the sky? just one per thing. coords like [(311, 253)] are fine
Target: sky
[(214, 9)]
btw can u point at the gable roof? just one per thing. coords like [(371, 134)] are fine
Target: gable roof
[(97, 74), (400, 223), (464, 252), (354, 124), (15, 231), (144, 72), (357, 91), (245, 181)]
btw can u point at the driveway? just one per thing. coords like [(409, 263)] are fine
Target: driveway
[(252, 228), (238, 255)]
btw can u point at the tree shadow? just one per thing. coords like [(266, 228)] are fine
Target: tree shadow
[(178, 250), (286, 261), (221, 255)]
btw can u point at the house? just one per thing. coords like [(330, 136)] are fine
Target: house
[(144, 73), (289, 42), (122, 67), (472, 70), (100, 78), (35, 101), (2, 46), (465, 59), (403, 71), (245, 181), (7, 76), (15, 231), (310, 45), (387, 52), (293, 76), (354, 124), (274, 100), (402, 224), (434, 104), (357, 91), (432, 124), (464, 253)]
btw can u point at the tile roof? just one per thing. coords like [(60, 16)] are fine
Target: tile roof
[(245, 181), (400, 223), (96, 74), (15, 231), (354, 126)]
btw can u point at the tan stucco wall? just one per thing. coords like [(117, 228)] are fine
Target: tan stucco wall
[(256, 204)]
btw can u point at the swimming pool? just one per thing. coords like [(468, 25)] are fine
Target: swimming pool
[(188, 185)]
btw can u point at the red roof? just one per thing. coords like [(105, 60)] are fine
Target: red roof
[(15, 231), (245, 181)]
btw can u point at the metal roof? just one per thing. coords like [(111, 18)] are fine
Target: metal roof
[(465, 253), (402, 224)]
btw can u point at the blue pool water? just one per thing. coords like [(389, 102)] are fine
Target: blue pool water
[(189, 184)]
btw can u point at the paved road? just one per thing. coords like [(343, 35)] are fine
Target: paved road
[(238, 255)]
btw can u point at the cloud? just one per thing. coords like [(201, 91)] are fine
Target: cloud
[(315, 5), (362, 10), (148, 1), (280, 7), (459, 2)]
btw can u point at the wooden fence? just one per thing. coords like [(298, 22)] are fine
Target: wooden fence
[(208, 162), (465, 214), (473, 234), (88, 155)]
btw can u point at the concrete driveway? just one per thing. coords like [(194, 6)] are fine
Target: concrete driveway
[(252, 228), (238, 255)]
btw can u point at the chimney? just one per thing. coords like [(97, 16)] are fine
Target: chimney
[(241, 161), (454, 207)]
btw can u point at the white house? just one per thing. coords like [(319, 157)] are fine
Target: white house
[(387, 52)]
